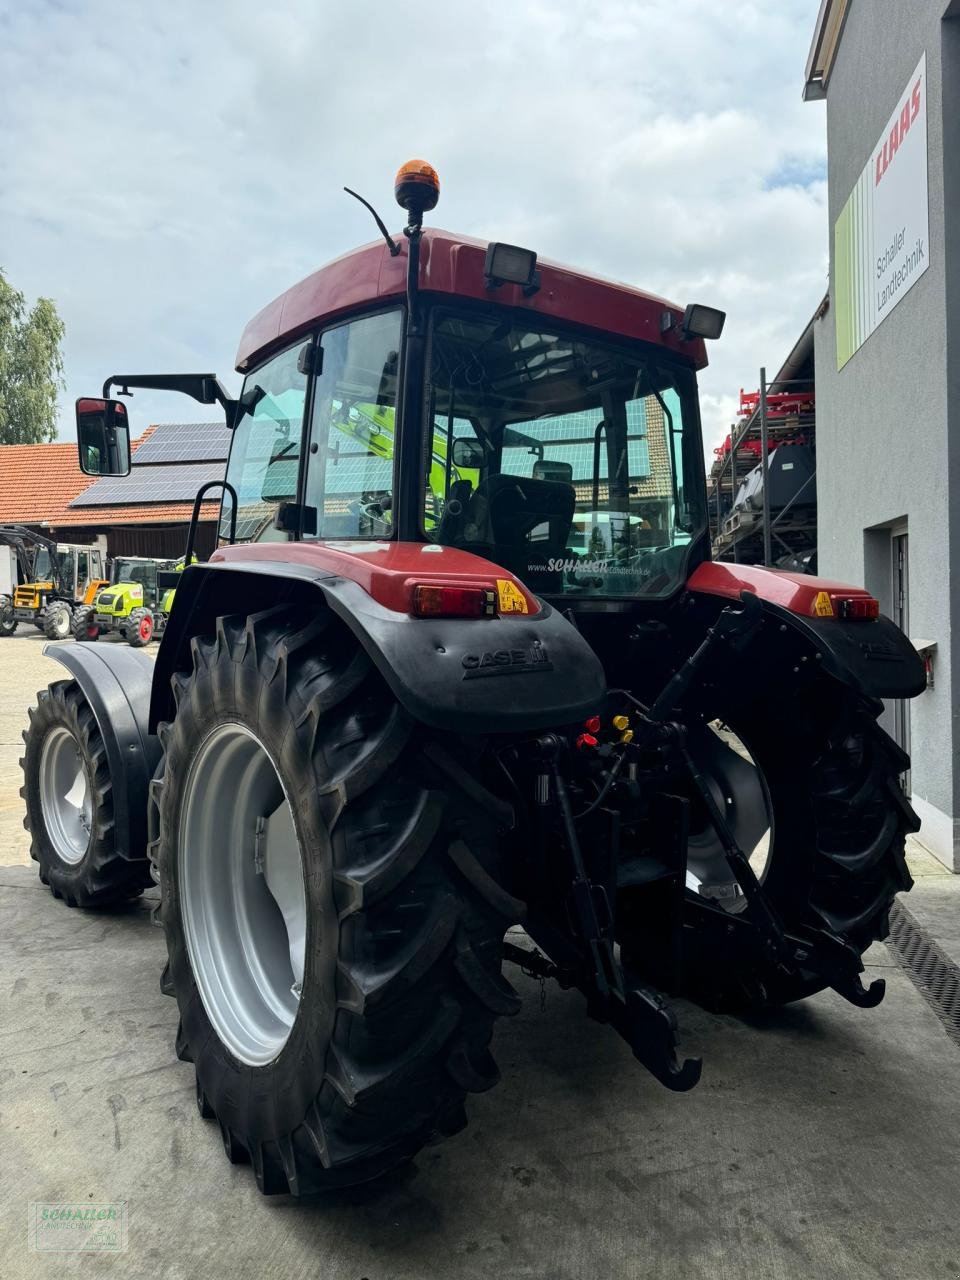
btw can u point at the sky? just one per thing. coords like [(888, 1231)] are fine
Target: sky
[(166, 170)]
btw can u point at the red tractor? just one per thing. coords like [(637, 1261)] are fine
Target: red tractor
[(461, 662)]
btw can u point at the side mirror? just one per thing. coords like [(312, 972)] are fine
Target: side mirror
[(468, 454), (103, 437)]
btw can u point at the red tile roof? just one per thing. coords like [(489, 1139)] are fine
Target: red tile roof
[(39, 481), (154, 513)]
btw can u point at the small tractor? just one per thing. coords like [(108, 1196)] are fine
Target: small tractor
[(59, 577), (416, 711), (132, 605)]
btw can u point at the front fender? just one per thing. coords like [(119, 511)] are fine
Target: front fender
[(483, 675), (116, 681)]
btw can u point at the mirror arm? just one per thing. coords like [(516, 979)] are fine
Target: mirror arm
[(205, 387)]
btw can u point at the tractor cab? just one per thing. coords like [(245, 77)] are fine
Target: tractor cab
[(138, 572)]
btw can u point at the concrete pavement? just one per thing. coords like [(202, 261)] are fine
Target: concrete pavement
[(820, 1143)]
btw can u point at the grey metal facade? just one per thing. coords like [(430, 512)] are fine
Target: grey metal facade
[(888, 423)]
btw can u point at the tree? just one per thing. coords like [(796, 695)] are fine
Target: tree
[(31, 367)]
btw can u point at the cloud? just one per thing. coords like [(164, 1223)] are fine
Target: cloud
[(166, 170)]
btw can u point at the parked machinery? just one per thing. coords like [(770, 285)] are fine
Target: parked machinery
[(19, 545), (58, 577), (358, 759), (132, 605)]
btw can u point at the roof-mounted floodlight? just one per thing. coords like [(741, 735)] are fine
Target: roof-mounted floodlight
[(698, 321), (509, 264)]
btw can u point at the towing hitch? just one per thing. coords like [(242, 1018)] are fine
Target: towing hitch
[(639, 1013)]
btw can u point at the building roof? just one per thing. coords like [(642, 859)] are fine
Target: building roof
[(163, 482), (37, 481), (823, 47), (452, 264), (149, 514)]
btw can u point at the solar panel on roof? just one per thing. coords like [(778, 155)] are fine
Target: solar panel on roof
[(359, 474), (163, 483), (184, 442), (520, 462)]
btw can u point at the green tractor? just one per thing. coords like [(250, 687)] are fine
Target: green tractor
[(132, 604)]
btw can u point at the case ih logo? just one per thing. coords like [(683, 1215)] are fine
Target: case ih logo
[(506, 662)]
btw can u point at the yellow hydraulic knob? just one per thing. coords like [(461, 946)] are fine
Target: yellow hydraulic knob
[(621, 722), (628, 735)]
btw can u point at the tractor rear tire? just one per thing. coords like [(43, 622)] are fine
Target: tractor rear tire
[(57, 620), (139, 628), (69, 804), (839, 823), (404, 916), (84, 624), (8, 623)]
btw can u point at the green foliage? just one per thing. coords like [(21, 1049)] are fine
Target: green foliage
[(31, 367), (597, 545)]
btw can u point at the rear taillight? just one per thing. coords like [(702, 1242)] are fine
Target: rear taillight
[(857, 608), (454, 602)]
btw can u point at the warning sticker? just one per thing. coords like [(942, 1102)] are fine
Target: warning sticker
[(512, 599), (823, 605)]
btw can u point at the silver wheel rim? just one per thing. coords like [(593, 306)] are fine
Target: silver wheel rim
[(739, 788), (65, 798), (242, 895), (61, 622)]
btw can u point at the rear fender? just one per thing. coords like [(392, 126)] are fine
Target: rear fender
[(873, 657), (116, 682), (484, 675)]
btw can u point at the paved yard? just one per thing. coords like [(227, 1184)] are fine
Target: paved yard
[(23, 670), (822, 1141)]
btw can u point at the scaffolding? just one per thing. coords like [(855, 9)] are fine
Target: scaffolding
[(782, 411)]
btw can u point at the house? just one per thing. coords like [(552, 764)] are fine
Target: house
[(146, 513)]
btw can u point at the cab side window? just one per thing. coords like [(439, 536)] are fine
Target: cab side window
[(265, 453), (350, 469)]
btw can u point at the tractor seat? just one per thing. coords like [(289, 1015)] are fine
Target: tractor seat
[(521, 524)]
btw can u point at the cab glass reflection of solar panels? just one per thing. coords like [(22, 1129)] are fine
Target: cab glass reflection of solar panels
[(184, 442), (163, 483)]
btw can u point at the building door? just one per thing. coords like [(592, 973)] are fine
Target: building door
[(901, 616)]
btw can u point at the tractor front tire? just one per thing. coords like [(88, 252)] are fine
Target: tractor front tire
[(69, 804), (57, 620), (404, 917), (84, 624), (836, 856), (8, 623), (139, 628)]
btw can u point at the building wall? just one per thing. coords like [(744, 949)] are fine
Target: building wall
[(159, 540), (883, 451)]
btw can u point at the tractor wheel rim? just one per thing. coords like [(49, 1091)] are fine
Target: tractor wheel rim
[(242, 895), (146, 629), (740, 790), (65, 798)]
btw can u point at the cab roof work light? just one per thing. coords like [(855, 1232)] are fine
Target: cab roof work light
[(698, 321), (509, 264)]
